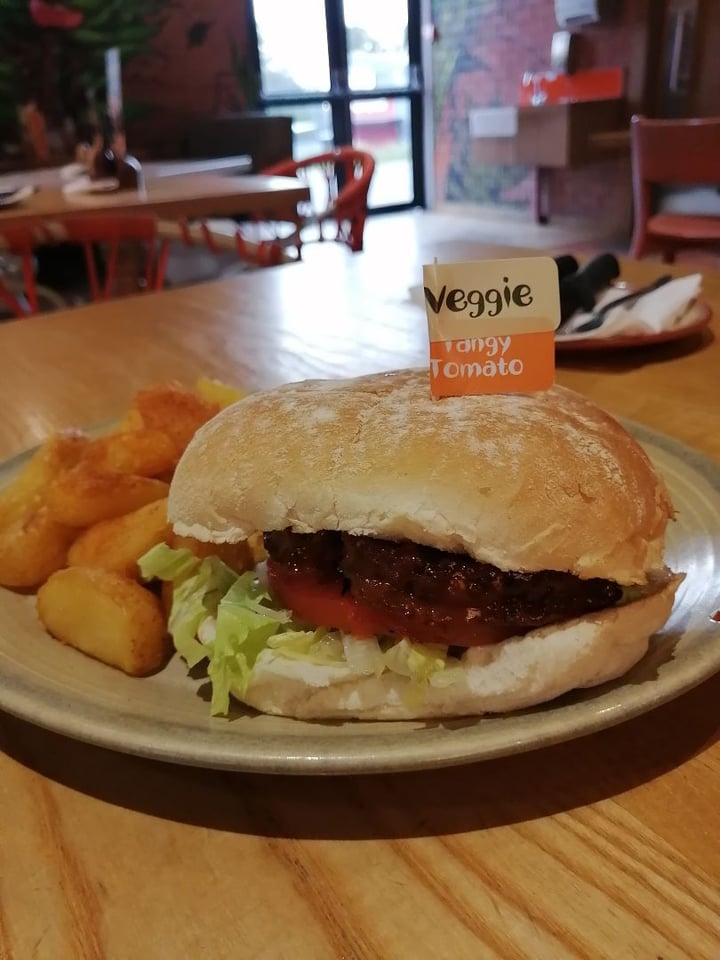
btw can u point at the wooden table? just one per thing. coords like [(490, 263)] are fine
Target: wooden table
[(605, 848), (153, 169), (176, 168), (186, 195)]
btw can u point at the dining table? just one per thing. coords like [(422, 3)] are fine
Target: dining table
[(54, 176), (184, 195), (597, 847)]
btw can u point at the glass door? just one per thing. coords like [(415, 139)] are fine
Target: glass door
[(348, 73)]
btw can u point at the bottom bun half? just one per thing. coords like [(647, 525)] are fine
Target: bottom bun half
[(517, 673)]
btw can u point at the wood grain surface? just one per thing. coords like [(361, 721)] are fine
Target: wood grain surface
[(604, 848)]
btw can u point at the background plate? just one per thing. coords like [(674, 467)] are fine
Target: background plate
[(12, 196), (166, 716), (697, 318)]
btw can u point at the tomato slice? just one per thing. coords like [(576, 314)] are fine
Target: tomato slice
[(325, 605)]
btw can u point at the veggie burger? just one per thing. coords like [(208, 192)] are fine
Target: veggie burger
[(425, 558)]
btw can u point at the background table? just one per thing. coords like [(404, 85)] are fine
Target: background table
[(153, 169), (184, 195), (605, 847)]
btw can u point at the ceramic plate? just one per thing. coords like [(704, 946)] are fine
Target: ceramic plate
[(84, 186), (166, 716), (694, 321), (12, 196)]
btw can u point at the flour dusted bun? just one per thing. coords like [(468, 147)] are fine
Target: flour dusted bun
[(543, 481), (519, 672), (545, 488)]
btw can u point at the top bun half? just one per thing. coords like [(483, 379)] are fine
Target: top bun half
[(543, 481)]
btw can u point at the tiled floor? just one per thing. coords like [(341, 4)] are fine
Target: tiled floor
[(425, 234), (446, 233), (444, 228)]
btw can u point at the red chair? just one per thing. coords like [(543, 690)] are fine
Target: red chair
[(111, 233), (676, 152), (339, 182), (201, 234)]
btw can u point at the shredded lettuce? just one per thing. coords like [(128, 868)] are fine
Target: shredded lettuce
[(198, 587), (194, 599), (421, 663), (164, 563), (364, 655), (319, 646), (230, 620), (417, 661), (242, 631), (632, 593)]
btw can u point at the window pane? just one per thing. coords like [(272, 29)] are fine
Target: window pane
[(377, 42), (311, 127), (382, 127), (292, 40)]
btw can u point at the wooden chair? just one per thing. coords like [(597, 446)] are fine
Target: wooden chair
[(339, 182), (89, 232), (672, 152)]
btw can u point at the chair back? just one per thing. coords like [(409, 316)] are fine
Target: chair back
[(112, 232), (668, 152), (201, 234), (88, 231), (339, 182), (676, 151)]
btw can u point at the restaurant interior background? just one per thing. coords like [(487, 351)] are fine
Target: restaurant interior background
[(186, 61), (133, 824)]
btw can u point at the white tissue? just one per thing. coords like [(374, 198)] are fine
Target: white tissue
[(663, 309), (85, 185), (17, 195)]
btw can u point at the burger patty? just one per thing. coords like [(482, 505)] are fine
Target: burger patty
[(387, 574)]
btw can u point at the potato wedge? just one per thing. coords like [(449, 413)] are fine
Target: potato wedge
[(175, 411), (215, 391), (82, 497), (107, 617), (238, 556), (144, 452), (56, 455), (32, 546), (118, 544)]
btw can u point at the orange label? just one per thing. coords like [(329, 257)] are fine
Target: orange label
[(514, 363), (492, 325)]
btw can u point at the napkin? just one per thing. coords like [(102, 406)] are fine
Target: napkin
[(86, 185), (663, 309), (16, 194), (73, 171)]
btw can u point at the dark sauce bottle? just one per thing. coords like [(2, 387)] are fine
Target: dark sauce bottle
[(104, 162), (113, 160), (129, 172)]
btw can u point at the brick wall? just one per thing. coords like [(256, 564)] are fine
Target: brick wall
[(483, 48), (188, 72)]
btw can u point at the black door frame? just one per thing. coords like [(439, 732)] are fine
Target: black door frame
[(339, 96)]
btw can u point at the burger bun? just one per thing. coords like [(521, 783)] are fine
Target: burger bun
[(497, 678)]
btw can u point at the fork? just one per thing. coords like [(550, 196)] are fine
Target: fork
[(598, 317)]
